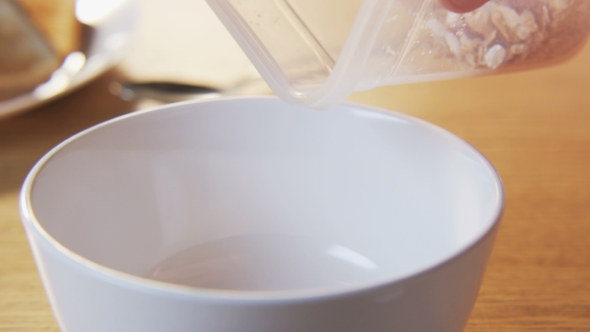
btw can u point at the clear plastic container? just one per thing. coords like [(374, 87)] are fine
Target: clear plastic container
[(316, 52)]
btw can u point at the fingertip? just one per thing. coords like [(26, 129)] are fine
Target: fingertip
[(462, 6)]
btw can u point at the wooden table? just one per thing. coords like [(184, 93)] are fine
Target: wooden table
[(534, 127)]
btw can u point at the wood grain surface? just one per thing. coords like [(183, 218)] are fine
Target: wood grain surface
[(533, 126)]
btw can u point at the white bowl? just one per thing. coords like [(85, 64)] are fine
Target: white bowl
[(253, 215)]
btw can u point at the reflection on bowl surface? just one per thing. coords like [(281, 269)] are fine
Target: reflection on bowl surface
[(265, 262)]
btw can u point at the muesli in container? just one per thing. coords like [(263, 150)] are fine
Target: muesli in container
[(316, 52)]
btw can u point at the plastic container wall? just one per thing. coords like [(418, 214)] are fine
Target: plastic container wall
[(316, 52)]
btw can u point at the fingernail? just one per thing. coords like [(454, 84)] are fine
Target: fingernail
[(467, 5)]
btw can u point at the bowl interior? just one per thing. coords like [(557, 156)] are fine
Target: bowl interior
[(255, 194)]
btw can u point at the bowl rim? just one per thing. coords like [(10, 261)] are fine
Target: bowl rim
[(127, 280)]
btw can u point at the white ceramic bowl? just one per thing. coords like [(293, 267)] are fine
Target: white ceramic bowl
[(253, 215)]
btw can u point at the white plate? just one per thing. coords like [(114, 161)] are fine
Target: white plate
[(112, 25)]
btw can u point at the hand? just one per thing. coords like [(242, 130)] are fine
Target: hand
[(462, 6)]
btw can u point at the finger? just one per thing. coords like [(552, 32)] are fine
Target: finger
[(462, 6)]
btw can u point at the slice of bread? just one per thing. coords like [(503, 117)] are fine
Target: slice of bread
[(55, 19), (35, 36)]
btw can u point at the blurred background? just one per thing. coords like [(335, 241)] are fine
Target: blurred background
[(533, 126)]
